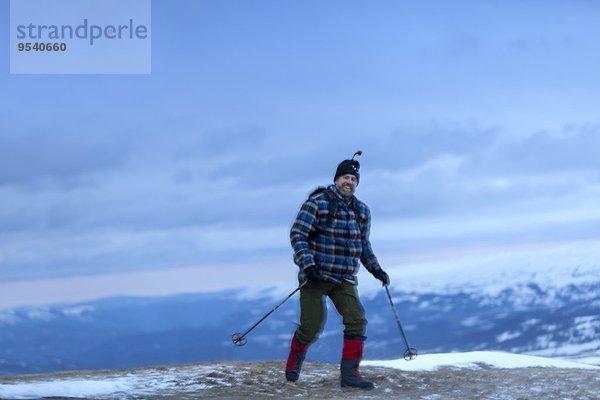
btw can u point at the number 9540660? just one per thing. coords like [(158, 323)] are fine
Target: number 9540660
[(37, 46)]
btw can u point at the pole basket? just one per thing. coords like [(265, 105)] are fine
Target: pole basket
[(238, 339), (410, 354)]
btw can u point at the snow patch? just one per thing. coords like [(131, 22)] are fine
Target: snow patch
[(589, 360), (41, 314), (554, 349), (66, 388), (587, 327), (78, 311), (530, 323), (470, 321), (432, 362), (508, 335), (490, 273), (147, 383), (8, 317)]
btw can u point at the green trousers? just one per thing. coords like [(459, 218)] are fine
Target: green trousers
[(313, 309)]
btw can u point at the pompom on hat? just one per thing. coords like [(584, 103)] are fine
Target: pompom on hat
[(351, 167)]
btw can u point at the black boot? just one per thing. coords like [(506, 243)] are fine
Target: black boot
[(351, 358), (295, 360)]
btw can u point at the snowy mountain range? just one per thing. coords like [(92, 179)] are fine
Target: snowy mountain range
[(530, 302)]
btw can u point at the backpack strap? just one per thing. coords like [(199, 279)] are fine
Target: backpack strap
[(333, 206), (333, 201)]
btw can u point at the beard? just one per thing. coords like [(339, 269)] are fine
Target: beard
[(346, 190)]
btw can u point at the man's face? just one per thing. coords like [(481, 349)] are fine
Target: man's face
[(346, 184)]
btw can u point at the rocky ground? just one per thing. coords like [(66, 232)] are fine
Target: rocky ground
[(266, 380)]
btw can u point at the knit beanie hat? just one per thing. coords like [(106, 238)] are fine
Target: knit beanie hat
[(349, 167)]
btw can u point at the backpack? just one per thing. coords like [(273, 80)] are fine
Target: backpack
[(333, 204)]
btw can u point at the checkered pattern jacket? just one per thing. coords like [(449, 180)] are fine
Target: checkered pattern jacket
[(338, 248)]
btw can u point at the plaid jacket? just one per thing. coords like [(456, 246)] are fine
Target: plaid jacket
[(335, 249)]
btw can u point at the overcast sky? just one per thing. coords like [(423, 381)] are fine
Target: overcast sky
[(478, 122)]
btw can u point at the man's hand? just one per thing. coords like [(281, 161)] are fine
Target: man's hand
[(313, 274), (382, 276)]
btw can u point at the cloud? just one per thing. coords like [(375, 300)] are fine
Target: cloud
[(570, 149), (163, 200), (218, 143), (417, 145), (445, 169), (66, 155), (457, 117)]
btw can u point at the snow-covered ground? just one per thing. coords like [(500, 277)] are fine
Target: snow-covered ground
[(110, 385), (432, 362), (194, 379)]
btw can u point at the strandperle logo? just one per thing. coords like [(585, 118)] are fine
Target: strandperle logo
[(85, 31), (80, 36)]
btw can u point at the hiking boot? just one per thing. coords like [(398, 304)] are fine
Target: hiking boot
[(295, 360), (351, 358)]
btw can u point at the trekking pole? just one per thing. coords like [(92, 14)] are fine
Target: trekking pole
[(410, 353), (240, 339)]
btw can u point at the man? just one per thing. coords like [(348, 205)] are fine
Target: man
[(330, 236)]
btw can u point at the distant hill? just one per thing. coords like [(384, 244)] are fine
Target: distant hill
[(530, 315)]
